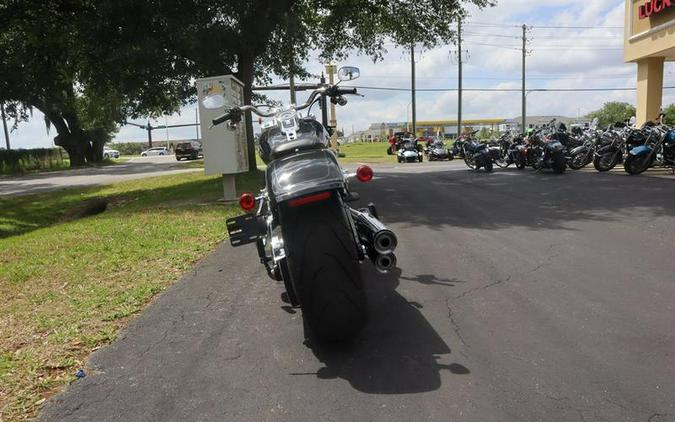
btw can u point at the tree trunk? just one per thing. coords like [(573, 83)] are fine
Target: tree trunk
[(71, 143), (246, 74), (71, 138)]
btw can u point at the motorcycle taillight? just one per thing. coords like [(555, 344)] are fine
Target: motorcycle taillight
[(304, 200)]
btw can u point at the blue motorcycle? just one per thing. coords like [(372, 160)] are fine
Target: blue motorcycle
[(657, 151)]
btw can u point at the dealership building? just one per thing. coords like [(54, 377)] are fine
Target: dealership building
[(649, 42)]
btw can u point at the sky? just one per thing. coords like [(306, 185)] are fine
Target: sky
[(568, 56)]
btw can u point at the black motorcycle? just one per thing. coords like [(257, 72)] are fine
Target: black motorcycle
[(306, 234), (582, 155), (436, 150), (543, 153), (477, 154), (615, 143), (507, 150)]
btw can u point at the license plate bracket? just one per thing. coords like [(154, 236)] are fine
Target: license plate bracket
[(245, 229)]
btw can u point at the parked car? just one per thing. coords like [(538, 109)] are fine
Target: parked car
[(155, 151), (110, 153), (189, 150)]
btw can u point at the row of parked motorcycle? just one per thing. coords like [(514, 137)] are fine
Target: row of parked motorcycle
[(552, 146)]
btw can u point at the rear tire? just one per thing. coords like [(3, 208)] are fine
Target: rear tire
[(578, 160), (520, 164), (324, 269), (559, 164), (605, 164)]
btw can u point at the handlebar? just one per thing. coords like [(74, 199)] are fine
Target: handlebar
[(234, 114)]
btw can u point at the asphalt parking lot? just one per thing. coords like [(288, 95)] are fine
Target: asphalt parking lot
[(520, 296)]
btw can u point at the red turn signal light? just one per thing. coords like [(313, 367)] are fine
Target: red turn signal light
[(247, 201), (364, 173)]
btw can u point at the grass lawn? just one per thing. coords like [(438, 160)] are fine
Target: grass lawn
[(366, 152), (360, 152), (68, 286)]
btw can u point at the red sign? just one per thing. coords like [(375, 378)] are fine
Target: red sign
[(653, 7)]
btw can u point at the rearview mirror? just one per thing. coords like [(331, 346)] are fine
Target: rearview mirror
[(348, 73), (594, 123), (213, 101), (632, 121)]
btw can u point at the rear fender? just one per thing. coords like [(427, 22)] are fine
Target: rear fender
[(641, 150), (579, 150), (304, 174), (609, 149)]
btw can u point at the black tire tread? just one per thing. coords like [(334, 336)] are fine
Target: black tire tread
[(324, 267)]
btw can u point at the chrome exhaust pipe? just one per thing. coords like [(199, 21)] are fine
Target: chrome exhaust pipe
[(385, 262), (373, 233)]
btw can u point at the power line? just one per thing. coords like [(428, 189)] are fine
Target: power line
[(382, 88), (492, 25), (487, 78), (471, 34), (552, 47), (575, 27), (502, 25)]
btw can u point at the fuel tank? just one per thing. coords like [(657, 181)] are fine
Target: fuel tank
[(274, 143)]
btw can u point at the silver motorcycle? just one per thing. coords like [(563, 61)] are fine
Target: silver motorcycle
[(306, 235)]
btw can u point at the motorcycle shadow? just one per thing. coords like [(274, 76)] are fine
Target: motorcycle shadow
[(398, 352)]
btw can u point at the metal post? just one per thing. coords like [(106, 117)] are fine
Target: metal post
[(4, 125), (524, 118), (197, 122), (412, 69), (229, 187), (459, 83), (166, 126)]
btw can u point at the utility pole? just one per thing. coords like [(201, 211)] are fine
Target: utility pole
[(524, 118), (149, 129), (291, 84), (4, 125), (459, 83), (412, 68), (323, 103)]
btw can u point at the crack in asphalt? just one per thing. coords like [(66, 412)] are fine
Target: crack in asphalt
[(486, 286), (656, 415), (454, 324), (547, 261), (164, 336)]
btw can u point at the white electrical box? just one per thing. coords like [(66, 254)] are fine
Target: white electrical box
[(225, 150)]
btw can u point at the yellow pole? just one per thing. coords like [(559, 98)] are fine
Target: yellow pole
[(649, 89)]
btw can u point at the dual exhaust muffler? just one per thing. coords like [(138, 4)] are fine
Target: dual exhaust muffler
[(379, 242)]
